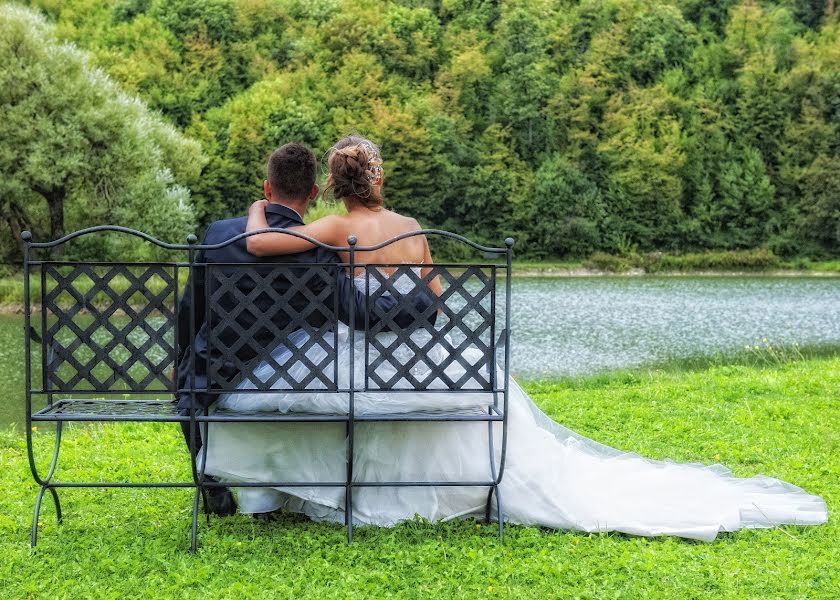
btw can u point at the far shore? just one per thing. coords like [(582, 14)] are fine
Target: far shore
[(11, 288), (548, 271)]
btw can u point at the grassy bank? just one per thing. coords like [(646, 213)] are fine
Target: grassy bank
[(659, 263), (781, 419), (764, 354)]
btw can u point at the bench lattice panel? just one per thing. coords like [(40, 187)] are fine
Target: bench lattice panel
[(109, 327), (248, 305), (408, 360)]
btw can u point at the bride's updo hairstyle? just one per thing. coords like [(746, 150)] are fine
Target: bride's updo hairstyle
[(355, 171)]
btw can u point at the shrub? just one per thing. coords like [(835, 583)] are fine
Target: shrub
[(607, 262), (757, 259)]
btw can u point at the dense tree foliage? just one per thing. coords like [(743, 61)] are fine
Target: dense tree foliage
[(574, 125), (75, 150)]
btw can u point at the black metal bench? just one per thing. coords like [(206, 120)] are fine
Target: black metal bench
[(108, 341)]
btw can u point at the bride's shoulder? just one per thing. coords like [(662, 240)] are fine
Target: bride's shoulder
[(331, 229), (407, 223), (332, 220)]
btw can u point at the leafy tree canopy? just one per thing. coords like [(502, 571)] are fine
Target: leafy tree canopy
[(572, 125), (75, 150)]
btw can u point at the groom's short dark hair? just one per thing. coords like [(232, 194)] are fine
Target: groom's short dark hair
[(291, 170)]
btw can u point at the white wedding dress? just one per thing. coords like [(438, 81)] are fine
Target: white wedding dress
[(553, 477)]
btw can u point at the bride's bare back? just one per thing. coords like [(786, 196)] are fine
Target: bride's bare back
[(370, 227), (374, 227)]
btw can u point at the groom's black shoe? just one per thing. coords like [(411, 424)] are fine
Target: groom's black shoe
[(268, 517), (219, 501)]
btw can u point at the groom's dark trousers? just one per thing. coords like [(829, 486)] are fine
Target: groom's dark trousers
[(236, 252)]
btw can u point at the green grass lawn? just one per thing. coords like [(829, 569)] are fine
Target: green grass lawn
[(781, 420)]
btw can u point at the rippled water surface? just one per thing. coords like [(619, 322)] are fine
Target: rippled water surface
[(575, 326), (572, 326)]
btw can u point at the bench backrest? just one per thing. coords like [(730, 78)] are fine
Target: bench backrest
[(113, 327)]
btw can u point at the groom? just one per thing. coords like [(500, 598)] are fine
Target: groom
[(289, 188)]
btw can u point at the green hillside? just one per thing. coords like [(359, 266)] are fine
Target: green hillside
[(600, 125)]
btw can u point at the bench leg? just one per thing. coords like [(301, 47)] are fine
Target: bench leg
[(204, 504), (34, 537), (58, 514), (45, 485), (200, 490), (194, 536), (348, 513), (499, 515)]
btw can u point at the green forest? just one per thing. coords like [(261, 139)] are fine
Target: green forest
[(573, 126)]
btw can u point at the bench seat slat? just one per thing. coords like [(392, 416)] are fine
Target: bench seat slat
[(109, 410), (87, 409)]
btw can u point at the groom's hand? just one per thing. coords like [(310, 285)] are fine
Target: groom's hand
[(258, 206)]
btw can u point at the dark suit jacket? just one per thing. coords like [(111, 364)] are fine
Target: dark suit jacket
[(261, 339)]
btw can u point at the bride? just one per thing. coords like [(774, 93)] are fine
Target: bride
[(553, 477)]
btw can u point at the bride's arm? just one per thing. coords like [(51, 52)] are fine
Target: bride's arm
[(272, 243), (434, 284)]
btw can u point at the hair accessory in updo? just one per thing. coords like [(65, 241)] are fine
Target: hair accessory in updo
[(355, 171)]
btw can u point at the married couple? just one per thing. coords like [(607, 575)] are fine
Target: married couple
[(553, 476)]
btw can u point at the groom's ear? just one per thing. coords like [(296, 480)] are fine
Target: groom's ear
[(314, 193), (267, 189)]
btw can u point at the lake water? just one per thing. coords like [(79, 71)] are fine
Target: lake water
[(574, 326), (578, 326)]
